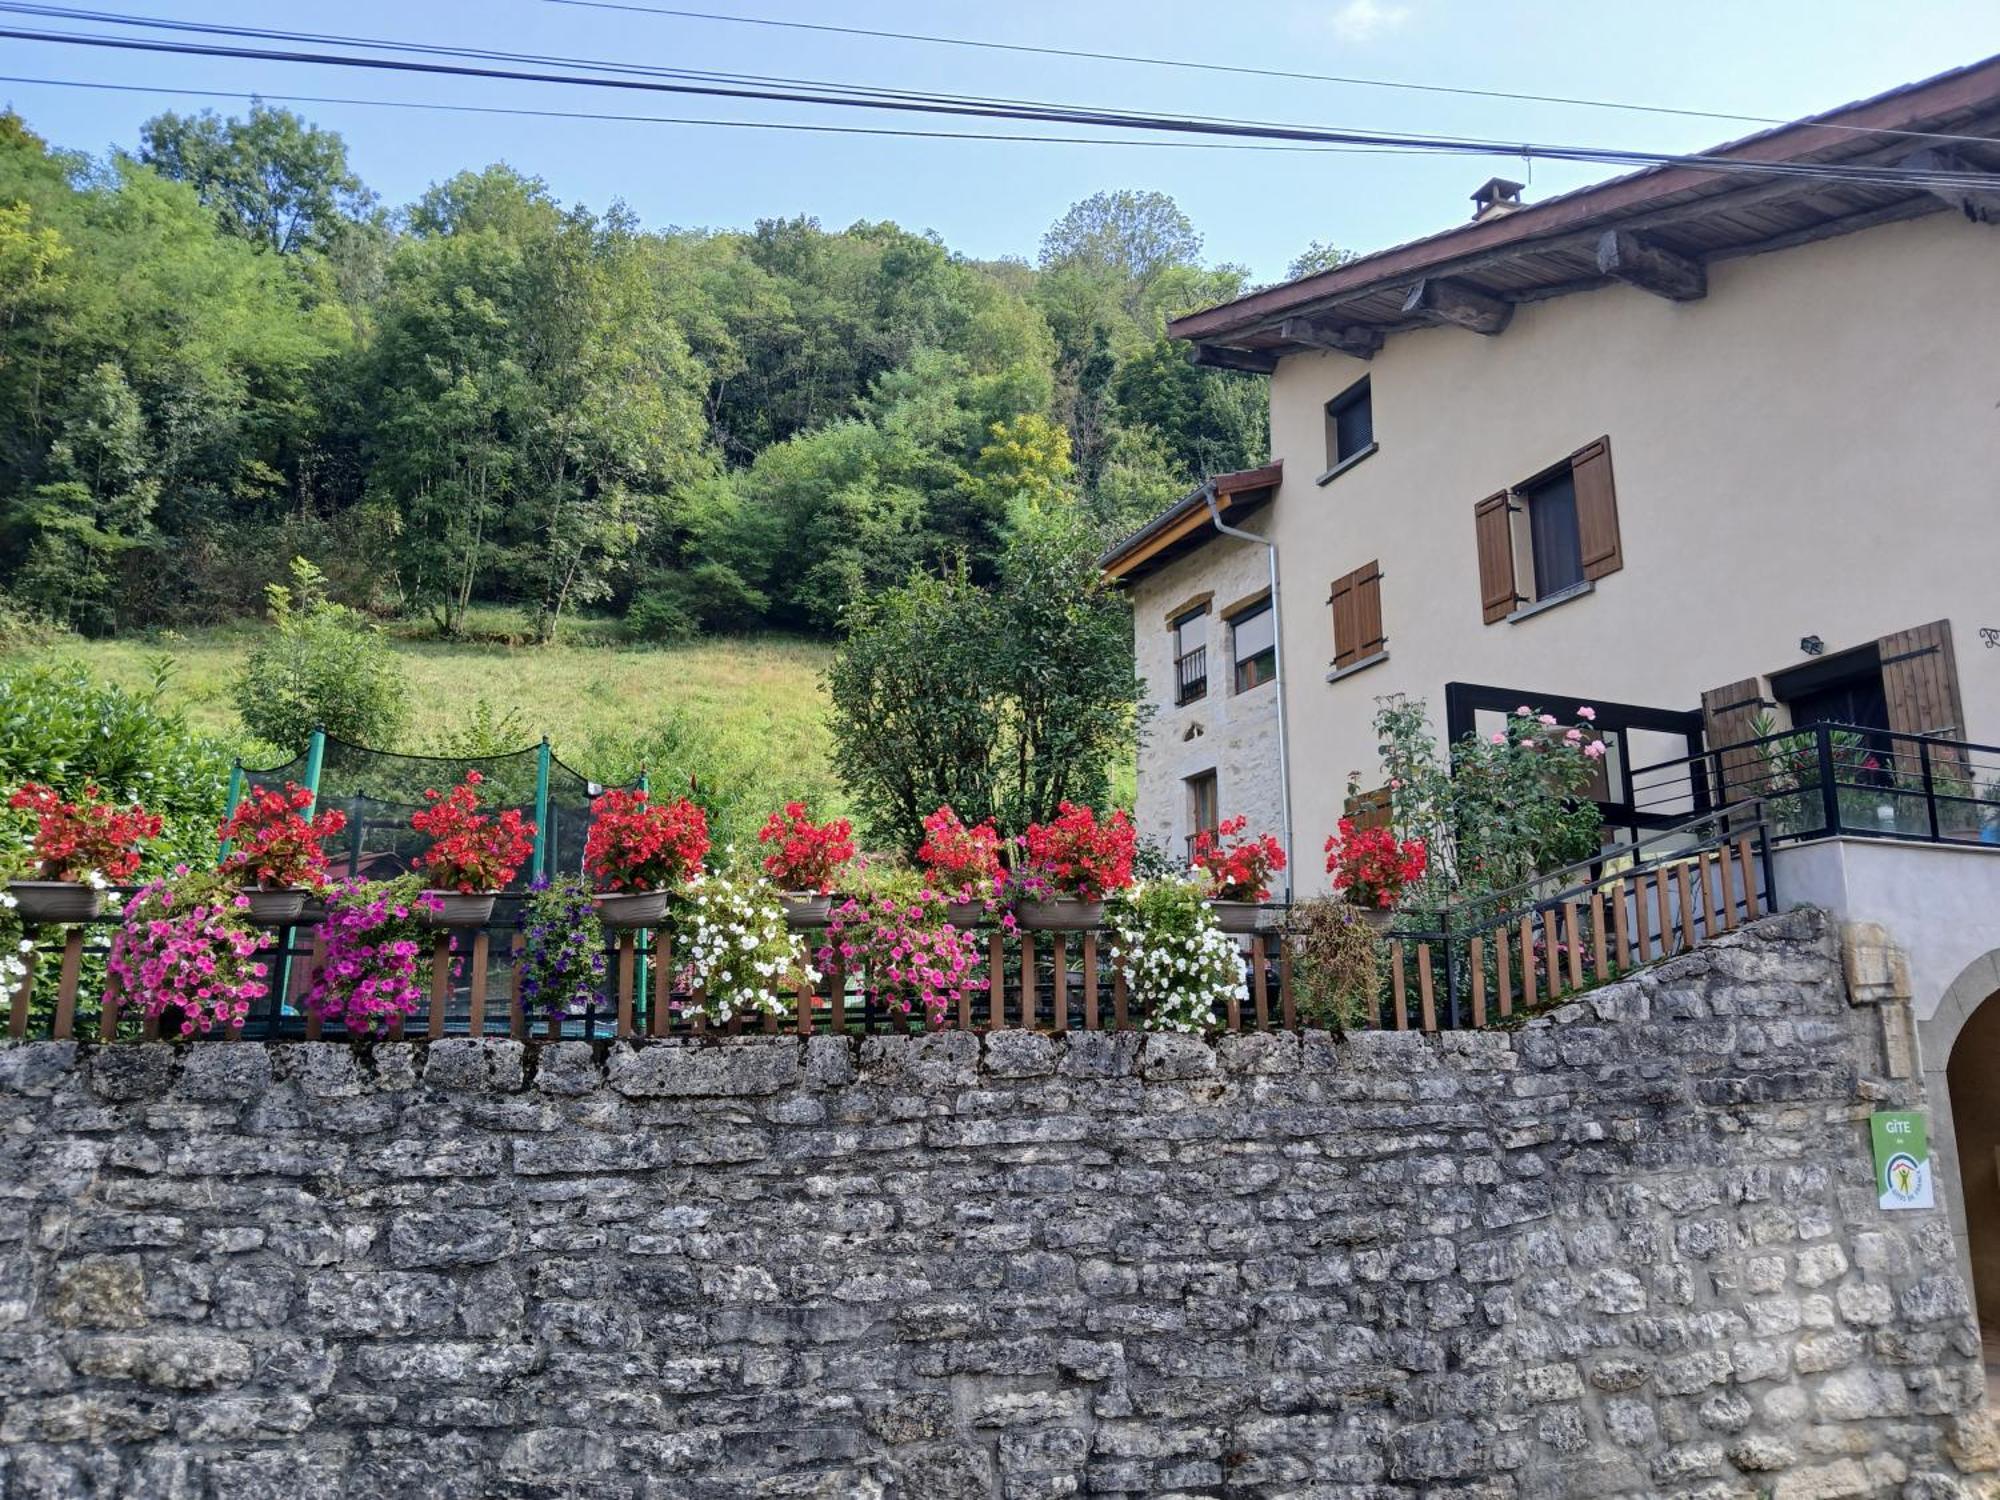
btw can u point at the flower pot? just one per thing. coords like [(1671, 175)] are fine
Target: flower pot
[(621, 910), (277, 906), (1066, 914), (1247, 916), (966, 914), (40, 902), (459, 908), (1381, 918), (807, 908)]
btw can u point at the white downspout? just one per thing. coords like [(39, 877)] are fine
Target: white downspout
[(1277, 665)]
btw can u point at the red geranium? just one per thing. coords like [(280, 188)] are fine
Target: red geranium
[(470, 850), (1078, 856), (1239, 871), (1371, 865), (74, 838), (957, 858), (638, 845), (272, 845), (809, 854)]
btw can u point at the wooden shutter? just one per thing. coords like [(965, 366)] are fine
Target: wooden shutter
[(1492, 523), (1357, 615), (1370, 809), (1920, 680), (1729, 716), (1596, 509)]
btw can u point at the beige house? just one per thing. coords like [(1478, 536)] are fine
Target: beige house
[(1694, 446)]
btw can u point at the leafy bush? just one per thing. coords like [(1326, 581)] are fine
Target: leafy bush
[(61, 727), (322, 666)]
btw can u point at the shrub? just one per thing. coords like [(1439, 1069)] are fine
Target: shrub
[(636, 844), (74, 840), (1336, 963), (807, 855), (322, 666), (61, 727), (1176, 960), (273, 844), (470, 850)]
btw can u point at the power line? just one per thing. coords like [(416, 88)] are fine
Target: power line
[(1239, 69), (775, 125), (1102, 118)]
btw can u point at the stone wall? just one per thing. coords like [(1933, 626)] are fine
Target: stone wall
[(1628, 1250)]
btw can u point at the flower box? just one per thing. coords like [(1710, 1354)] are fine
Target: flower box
[(966, 914), (459, 908), (807, 908), (41, 902), (276, 906), (1247, 916), (1064, 914), (623, 910)]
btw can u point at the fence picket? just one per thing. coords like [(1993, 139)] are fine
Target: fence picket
[(1503, 979), (996, 982), (1597, 952), (1090, 981), (1621, 929), (1666, 912), (67, 981), (1478, 966), (660, 997), (475, 1021), (1287, 1004), (1749, 869), (1425, 997), (17, 1010), (1687, 910), (1396, 984), (1528, 963), (1060, 999), (440, 982), (628, 953), (1260, 984), (1551, 953)]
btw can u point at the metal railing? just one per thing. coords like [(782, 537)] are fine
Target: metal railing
[(1824, 780), (1191, 676)]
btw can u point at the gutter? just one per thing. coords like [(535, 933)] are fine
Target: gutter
[(1277, 665)]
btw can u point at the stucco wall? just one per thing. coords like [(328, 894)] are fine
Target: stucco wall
[(1812, 449), (1630, 1250), (1233, 734)]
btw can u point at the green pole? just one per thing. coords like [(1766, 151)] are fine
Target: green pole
[(645, 967), (235, 796), (541, 857), (315, 758)]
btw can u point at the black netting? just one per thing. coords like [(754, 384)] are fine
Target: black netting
[(378, 791)]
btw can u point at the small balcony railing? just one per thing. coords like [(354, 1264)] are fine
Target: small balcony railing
[(1824, 780), (1191, 676)]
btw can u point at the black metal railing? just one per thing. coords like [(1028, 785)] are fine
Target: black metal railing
[(1191, 676), (1840, 779)]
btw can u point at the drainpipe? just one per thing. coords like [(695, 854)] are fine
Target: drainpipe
[(1278, 665)]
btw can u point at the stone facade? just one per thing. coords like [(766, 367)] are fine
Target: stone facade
[(1232, 734), (1629, 1250)]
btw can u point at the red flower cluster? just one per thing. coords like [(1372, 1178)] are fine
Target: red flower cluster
[(1239, 871), (638, 845), (74, 838), (957, 858), (809, 854), (470, 850), (1078, 856), (1371, 865), (272, 845)]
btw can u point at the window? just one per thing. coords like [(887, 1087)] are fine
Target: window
[(1204, 806), (1557, 533), (1191, 655), (1357, 619), (1350, 428), (1255, 642)]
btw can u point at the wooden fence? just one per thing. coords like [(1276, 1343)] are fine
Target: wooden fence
[(1473, 965)]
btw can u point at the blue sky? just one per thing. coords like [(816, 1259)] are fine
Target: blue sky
[(1767, 57)]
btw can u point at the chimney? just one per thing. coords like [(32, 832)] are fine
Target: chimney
[(1496, 198)]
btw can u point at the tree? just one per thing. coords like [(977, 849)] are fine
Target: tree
[(1130, 237), (272, 179), (322, 666), (1211, 421), (1001, 701), (1317, 256)]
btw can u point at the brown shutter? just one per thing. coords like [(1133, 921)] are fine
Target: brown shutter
[(1370, 809), (1729, 717), (1357, 615), (1596, 509), (1920, 680), (1493, 525)]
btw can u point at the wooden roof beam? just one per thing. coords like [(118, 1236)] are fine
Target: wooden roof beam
[(1650, 267), (1221, 357), (1357, 339), (1442, 301), (1979, 204)]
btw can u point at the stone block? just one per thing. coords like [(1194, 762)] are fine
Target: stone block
[(475, 1065)]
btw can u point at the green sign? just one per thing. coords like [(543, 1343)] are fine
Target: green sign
[(1902, 1158)]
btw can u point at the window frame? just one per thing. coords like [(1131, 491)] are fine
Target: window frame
[(1537, 492), (1211, 782), (1340, 459), (1184, 691), (1237, 662)]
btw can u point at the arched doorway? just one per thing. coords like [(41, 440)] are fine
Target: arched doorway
[(1972, 1078)]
